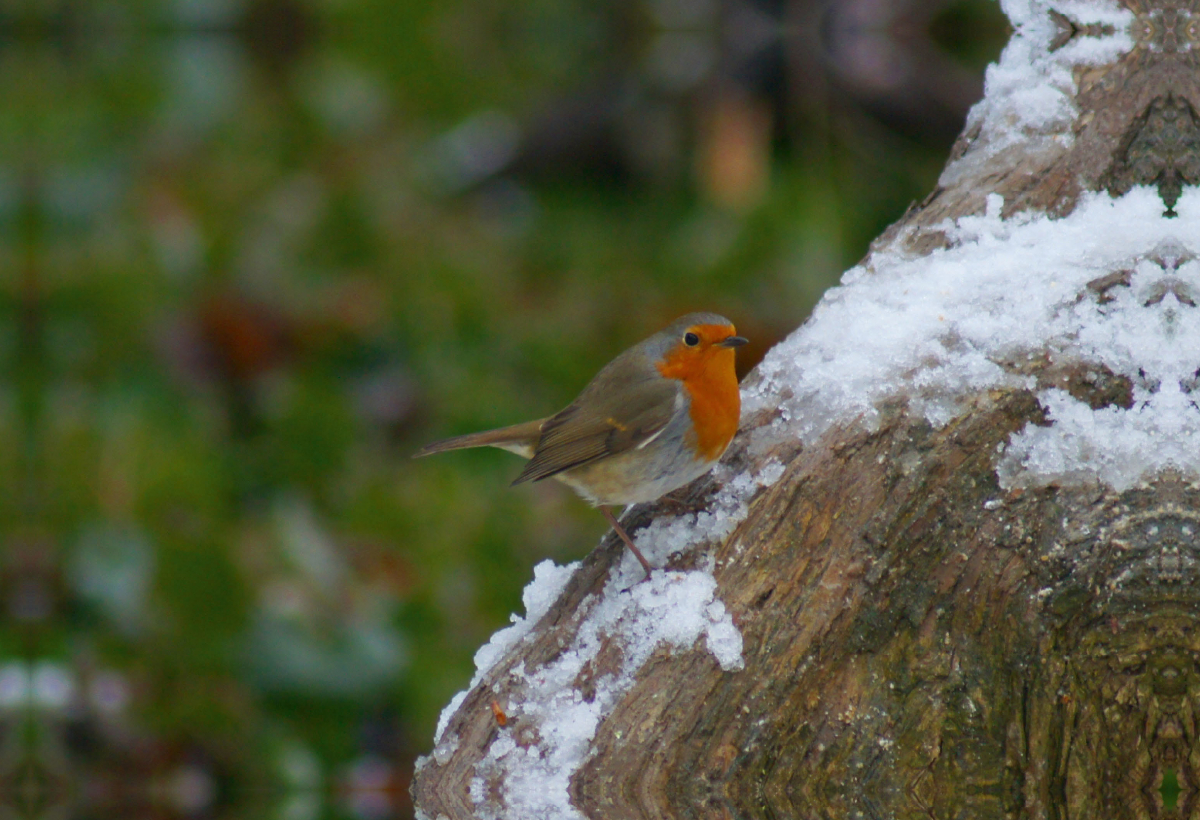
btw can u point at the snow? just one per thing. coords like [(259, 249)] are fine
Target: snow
[(1028, 93), (937, 329), (671, 610), (548, 582)]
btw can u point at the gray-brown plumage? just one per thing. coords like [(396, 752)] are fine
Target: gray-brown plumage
[(653, 419)]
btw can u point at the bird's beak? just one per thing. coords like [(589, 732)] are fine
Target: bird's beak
[(733, 341)]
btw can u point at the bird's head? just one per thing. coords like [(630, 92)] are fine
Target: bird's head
[(697, 345)]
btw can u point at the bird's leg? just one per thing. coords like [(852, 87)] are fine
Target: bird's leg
[(637, 553)]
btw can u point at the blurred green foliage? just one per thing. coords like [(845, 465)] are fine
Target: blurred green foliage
[(256, 252)]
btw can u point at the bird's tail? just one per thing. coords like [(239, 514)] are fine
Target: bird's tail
[(519, 438)]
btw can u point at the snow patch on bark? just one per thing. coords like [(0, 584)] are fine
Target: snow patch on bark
[(942, 327), (1029, 93)]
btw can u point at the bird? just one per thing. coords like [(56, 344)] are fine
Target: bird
[(655, 418)]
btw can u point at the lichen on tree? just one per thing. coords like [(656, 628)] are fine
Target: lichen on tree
[(949, 566)]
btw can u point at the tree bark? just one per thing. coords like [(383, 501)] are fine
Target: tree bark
[(919, 641)]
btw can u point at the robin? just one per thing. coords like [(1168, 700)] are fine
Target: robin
[(653, 419)]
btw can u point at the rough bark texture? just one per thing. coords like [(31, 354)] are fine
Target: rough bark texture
[(920, 643)]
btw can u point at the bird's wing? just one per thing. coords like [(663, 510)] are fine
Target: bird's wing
[(597, 425)]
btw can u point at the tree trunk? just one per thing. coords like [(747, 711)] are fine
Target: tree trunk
[(968, 596)]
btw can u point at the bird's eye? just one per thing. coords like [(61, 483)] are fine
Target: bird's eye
[(691, 339)]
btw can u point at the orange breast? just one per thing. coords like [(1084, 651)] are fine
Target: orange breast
[(711, 381)]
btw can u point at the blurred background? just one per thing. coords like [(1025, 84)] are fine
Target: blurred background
[(253, 253)]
